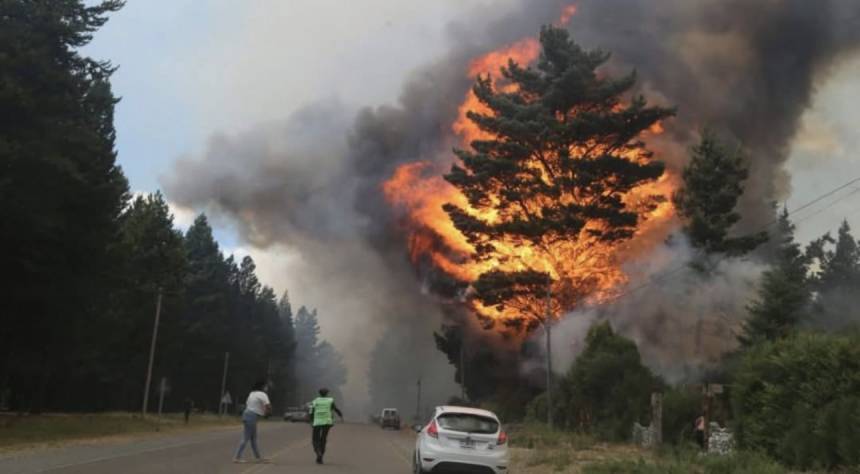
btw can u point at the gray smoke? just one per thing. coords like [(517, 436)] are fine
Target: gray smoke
[(311, 183), (682, 319), (747, 68)]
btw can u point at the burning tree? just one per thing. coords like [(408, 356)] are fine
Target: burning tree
[(554, 182)]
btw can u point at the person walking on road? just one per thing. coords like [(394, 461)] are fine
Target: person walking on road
[(188, 405), (258, 405), (322, 421)]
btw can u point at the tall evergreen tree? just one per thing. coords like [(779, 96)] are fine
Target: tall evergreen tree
[(607, 388), (562, 154), (61, 191), (307, 329), (837, 279), (713, 183), (784, 295), (318, 363), (206, 323), (285, 312), (154, 260)]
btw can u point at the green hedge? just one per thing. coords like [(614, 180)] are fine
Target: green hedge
[(798, 399)]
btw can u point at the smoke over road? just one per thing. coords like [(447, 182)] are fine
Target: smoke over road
[(312, 183)]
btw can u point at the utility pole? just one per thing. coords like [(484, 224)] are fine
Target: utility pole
[(223, 384), (462, 363), (418, 404), (547, 324), (151, 353)]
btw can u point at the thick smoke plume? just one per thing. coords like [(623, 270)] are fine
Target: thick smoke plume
[(312, 184)]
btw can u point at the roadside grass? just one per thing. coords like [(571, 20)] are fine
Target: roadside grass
[(22, 431), (537, 450), (690, 462)]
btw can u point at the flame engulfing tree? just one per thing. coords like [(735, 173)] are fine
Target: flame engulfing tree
[(555, 182)]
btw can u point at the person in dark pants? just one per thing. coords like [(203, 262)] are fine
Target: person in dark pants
[(322, 421), (699, 429), (188, 405)]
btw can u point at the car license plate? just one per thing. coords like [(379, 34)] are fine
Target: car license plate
[(467, 444)]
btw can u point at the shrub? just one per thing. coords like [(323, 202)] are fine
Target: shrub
[(680, 410), (797, 400), (607, 388)]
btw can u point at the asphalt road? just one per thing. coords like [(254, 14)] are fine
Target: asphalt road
[(352, 448)]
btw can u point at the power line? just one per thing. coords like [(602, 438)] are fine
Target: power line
[(831, 204)]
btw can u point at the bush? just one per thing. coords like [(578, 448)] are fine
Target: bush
[(797, 400), (509, 403), (680, 410), (607, 388)]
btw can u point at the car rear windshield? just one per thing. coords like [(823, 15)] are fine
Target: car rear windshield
[(467, 423)]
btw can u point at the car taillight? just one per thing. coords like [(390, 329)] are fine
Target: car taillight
[(433, 430), (503, 438)]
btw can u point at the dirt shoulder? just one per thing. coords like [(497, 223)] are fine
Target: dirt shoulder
[(33, 432)]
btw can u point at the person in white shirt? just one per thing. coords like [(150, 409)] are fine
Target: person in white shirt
[(257, 405)]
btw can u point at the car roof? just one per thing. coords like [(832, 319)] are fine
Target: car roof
[(465, 410)]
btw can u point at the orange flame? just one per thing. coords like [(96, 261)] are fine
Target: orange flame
[(567, 14), (421, 191)]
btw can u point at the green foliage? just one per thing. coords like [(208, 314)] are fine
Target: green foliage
[(553, 174), (713, 183), (607, 389), (484, 380), (680, 409), (784, 296), (61, 191), (87, 267), (536, 409), (797, 399), (836, 279), (686, 462)]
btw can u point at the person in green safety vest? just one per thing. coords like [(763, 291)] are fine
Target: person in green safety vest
[(322, 420)]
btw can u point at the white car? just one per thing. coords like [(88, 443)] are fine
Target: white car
[(461, 440)]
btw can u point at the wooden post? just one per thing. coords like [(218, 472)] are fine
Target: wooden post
[(706, 414), (657, 418)]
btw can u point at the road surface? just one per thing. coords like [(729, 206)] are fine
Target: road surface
[(352, 448)]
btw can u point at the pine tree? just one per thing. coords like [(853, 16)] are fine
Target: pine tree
[(154, 260), (285, 312), (784, 295), (713, 183), (563, 153), (318, 362), (837, 279), (61, 191), (206, 322), (607, 388)]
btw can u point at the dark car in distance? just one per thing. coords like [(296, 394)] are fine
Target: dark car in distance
[(390, 418), (297, 414)]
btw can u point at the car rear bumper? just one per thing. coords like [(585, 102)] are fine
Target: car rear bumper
[(444, 461)]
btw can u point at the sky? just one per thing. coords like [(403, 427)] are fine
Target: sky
[(190, 69)]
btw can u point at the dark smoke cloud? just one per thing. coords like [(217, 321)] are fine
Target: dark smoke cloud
[(747, 68), (312, 182)]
